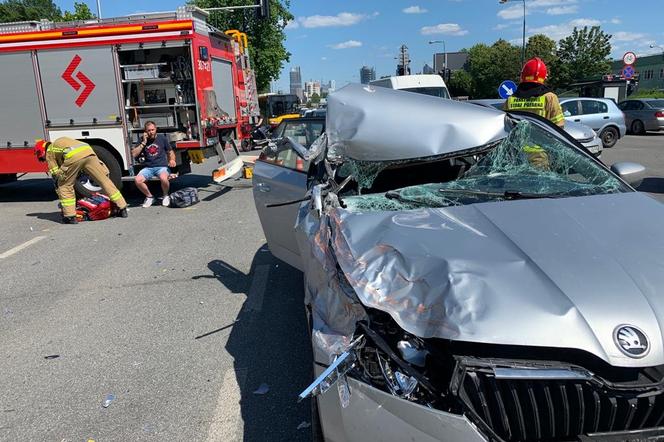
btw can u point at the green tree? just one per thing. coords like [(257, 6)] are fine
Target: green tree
[(28, 10), (490, 65), (461, 84), (315, 98), (266, 37), (81, 12), (584, 54)]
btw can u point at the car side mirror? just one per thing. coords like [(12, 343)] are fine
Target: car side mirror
[(633, 173)]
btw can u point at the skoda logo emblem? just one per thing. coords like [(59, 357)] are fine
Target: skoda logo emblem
[(631, 341)]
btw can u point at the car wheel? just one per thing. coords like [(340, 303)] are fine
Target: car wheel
[(85, 186), (609, 137), (638, 128)]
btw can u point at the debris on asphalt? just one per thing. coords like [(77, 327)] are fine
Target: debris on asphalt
[(51, 357), (264, 388), (7, 312), (107, 400), (303, 425)]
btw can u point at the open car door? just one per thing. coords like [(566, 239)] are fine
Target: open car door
[(279, 183)]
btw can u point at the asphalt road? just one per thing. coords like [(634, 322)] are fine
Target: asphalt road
[(181, 314)]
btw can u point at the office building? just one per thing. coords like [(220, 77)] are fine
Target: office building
[(296, 82), (367, 74)]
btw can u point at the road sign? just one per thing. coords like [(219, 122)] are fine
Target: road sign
[(628, 71), (506, 88), (629, 58)]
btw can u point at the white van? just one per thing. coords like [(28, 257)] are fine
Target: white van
[(427, 84)]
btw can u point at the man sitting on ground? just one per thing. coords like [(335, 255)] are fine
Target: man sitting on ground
[(159, 156)]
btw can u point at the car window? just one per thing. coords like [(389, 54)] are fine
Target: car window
[(626, 105), (656, 104), (593, 107), (303, 132), (570, 108), (282, 154)]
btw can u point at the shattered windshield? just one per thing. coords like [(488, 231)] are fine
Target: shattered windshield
[(529, 163)]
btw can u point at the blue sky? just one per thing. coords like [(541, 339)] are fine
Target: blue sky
[(332, 39)]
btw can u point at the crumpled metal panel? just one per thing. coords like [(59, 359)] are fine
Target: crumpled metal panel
[(369, 123), (547, 272)]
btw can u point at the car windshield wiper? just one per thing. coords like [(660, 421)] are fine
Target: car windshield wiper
[(508, 194)]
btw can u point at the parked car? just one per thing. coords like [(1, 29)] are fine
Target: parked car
[(580, 132), (643, 114), (601, 114), (469, 275)]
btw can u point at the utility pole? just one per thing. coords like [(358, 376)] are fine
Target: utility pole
[(99, 9)]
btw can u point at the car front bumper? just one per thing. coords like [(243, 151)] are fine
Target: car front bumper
[(375, 415)]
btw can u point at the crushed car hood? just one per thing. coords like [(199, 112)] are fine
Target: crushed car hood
[(547, 272), (368, 123)]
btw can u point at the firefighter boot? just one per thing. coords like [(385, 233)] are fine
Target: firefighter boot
[(69, 220), (122, 213)]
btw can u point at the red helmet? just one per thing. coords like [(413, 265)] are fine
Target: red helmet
[(40, 149), (534, 71)]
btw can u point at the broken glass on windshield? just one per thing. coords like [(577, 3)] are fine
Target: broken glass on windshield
[(529, 163)]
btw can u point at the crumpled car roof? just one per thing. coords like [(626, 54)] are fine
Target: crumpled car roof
[(370, 123)]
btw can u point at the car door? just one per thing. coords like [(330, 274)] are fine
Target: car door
[(594, 114), (279, 183)]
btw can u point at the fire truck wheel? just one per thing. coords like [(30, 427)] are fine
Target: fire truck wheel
[(85, 186), (7, 178)]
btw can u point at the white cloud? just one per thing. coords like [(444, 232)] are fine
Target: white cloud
[(347, 44), (293, 24), (556, 32), (443, 28), (511, 12), (627, 36), (562, 10), (616, 21), (341, 19), (414, 10), (500, 27), (324, 58)]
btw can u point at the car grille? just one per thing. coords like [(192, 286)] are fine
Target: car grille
[(557, 410)]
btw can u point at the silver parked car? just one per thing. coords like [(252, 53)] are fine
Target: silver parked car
[(580, 132), (469, 275), (643, 114), (601, 114)]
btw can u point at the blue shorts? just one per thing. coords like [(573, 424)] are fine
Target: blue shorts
[(153, 172)]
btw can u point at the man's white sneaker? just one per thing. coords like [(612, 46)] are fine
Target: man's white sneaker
[(148, 201), (166, 201)]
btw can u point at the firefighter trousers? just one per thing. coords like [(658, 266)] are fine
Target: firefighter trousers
[(97, 170)]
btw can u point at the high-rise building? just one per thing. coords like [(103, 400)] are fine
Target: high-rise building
[(367, 74), (310, 88), (296, 82)]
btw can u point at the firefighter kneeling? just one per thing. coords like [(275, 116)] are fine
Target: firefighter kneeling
[(66, 158)]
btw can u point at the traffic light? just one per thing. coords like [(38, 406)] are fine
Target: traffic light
[(263, 10)]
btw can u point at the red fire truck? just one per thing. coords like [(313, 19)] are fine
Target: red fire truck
[(101, 80)]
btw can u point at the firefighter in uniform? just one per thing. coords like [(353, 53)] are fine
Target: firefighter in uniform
[(66, 158), (532, 95)]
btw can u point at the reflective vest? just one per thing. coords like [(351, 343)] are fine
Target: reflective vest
[(545, 106)]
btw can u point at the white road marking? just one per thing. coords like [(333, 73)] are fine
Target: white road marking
[(257, 288), (226, 423), (20, 247)]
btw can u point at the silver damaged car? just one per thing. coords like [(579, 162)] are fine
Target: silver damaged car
[(469, 275)]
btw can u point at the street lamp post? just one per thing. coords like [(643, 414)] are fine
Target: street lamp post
[(444, 53), (658, 46), (523, 44)]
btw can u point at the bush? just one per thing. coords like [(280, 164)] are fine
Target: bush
[(648, 93)]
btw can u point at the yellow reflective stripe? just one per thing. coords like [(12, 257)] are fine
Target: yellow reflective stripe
[(55, 149), (533, 103), (557, 118), (532, 149), (53, 170), (68, 202), (116, 196), (73, 152)]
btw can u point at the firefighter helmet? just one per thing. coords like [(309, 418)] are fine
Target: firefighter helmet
[(534, 71), (40, 149)]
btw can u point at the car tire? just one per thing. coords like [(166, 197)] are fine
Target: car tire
[(609, 137), (638, 128), (85, 187)]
